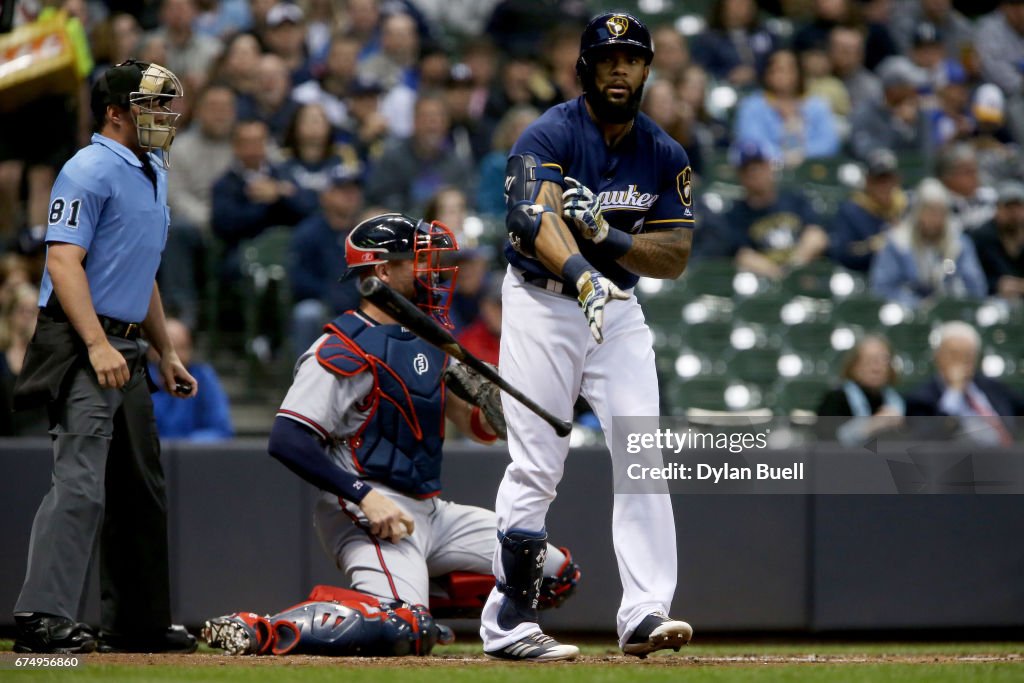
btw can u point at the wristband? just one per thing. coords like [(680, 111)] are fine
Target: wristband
[(617, 243), (477, 427), (574, 269)]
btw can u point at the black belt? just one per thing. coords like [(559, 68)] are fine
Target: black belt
[(119, 328)]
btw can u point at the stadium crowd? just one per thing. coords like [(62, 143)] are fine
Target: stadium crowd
[(301, 119)]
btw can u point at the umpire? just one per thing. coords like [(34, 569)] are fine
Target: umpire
[(108, 221)]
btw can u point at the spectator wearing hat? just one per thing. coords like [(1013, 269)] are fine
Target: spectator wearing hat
[(999, 41), (411, 170), (972, 203), (846, 53), (955, 28), (998, 154), (898, 122), (1000, 243), (317, 257), (285, 36), (770, 229), (366, 131), (470, 141), (927, 256), (189, 54), (783, 119), (862, 221)]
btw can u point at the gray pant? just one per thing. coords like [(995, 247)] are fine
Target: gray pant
[(107, 491), (448, 537)]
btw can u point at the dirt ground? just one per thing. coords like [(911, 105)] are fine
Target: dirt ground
[(442, 661)]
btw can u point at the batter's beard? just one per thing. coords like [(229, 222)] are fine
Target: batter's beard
[(607, 112)]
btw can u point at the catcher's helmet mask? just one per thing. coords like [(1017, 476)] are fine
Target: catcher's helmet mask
[(396, 237), (612, 30), (145, 90)]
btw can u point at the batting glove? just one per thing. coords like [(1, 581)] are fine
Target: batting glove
[(583, 208), (595, 291)]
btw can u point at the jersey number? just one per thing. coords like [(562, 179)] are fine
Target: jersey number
[(57, 211)]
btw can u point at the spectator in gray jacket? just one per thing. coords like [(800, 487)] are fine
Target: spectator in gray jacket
[(898, 122)]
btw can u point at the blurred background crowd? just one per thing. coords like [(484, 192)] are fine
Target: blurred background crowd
[(857, 170)]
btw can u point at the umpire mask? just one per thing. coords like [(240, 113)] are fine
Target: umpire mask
[(151, 108)]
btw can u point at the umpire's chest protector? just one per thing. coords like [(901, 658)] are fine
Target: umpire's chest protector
[(399, 443)]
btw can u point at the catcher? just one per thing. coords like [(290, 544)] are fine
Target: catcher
[(364, 421)]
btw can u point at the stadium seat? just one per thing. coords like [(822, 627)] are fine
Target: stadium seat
[(945, 310), (710, 277), (910, 338), (802, 393), (709, 393), (812, 280), (861, 310), (762, 310), (666, 307), (814, 339), (267, 297), (709, 337), (757, 365)]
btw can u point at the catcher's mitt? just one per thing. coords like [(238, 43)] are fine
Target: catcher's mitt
[(470, 386)]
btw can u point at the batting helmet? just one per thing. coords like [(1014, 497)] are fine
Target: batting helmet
[(611, 29), (396, 237)]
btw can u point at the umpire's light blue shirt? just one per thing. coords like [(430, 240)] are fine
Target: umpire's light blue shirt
[(104, 202)]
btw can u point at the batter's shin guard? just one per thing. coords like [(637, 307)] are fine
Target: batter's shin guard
[(522, 561)]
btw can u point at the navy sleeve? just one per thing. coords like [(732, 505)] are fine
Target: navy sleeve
[(299, 449), (544, 139), (674, 207)]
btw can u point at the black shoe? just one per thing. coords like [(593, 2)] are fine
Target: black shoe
[(174, 640), (49, 634), (657, 631)]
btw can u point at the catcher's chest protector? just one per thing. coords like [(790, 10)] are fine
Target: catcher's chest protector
[(399, 444)]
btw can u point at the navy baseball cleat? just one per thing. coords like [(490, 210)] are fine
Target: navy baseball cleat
[(657, 631), (535, 648)]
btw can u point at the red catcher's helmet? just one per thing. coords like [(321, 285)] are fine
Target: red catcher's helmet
[(396, 237)]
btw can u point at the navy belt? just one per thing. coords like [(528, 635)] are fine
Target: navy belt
[(549, 283)]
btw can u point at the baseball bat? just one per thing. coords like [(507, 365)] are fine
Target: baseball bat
[(428, 329)]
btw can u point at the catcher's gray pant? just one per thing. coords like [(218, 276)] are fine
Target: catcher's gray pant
[(107, 488), (447, 537)]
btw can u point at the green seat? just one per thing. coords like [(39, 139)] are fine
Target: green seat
[(665, 308), (267, 304), (761, 310), (802, 393), (945, 310), (710, 277), (711, 337), (910, 338), (861, 310), (758, 366), (1005, 337), (706, 392), (814, 339), (812, 280)]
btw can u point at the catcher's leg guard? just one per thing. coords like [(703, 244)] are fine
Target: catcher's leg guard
[(554, 590), (242, 633), (522, 560), (353, 628)]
